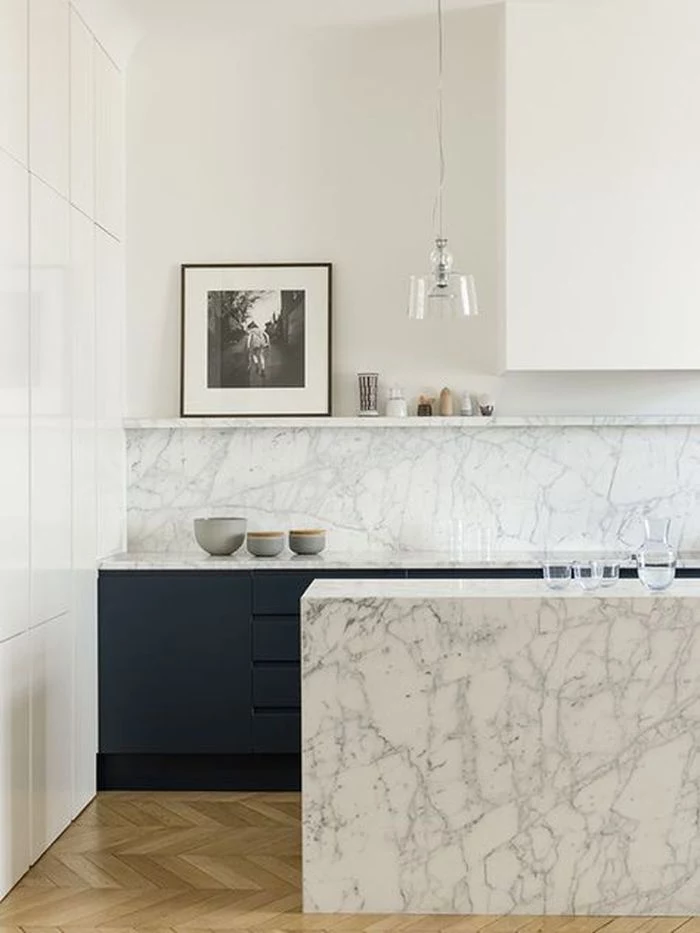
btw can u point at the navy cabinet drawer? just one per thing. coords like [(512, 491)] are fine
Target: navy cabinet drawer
[(276, 686), (276, 638), (277, 733), (279, 593)]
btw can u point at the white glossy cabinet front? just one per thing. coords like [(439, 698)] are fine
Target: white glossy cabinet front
[(602, 191), (13, 78), (82, 294), (14, 398), (51, 731), (14, 761), (51, 405), (82, 116), (111, 463), (49, 93), (109, 145)]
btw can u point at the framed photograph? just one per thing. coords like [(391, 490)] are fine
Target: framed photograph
[(256, 340)]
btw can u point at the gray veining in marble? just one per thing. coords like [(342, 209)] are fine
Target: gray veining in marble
[(513, 488), (494, 748)]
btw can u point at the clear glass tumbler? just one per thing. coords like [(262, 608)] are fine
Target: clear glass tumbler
[(557, 576), (589, 574), (611, 573)]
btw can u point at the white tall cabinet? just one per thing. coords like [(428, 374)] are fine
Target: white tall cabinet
[(62, 464)]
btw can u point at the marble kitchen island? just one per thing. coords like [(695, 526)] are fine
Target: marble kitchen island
[(493, 747)]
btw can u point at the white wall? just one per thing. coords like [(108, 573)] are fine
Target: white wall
[(313, 145), (62, 496), (319, 144)]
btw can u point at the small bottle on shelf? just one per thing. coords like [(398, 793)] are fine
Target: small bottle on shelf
[(396, 403)]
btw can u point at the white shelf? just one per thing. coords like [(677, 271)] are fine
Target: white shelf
[(534, 421)]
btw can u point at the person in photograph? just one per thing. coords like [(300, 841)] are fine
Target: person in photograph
[(257, 345)]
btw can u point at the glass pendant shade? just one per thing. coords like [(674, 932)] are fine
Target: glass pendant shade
[(443, 293)]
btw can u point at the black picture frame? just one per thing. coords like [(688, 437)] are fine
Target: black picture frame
[(218, 291)]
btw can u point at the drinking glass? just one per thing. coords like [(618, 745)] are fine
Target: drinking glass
[(557, 576), (611, 573), (589, 574)]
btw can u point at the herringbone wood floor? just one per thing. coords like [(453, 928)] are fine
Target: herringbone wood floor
[(190, 863)]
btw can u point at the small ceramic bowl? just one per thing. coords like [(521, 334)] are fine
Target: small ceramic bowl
[(220, 536), (265, 543), (307, 541)]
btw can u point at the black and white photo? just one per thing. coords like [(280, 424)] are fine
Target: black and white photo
[(256, 339)]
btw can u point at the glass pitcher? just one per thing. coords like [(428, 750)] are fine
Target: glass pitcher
[(656, 559)]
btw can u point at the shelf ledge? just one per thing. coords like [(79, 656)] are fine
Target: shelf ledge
[(463, 423)]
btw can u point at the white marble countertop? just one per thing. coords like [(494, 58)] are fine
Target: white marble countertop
[(357, 560), (331, 560), (420, 590)]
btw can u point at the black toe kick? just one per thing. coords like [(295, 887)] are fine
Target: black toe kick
[(199, 772)]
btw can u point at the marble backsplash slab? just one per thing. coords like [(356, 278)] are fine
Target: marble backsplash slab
[(502, 489)]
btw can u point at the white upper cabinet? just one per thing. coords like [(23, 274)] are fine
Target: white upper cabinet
[(602, 188), (51, 423), (13, 78), (109, 145), (49, 92), (14, 397), (82, 116)]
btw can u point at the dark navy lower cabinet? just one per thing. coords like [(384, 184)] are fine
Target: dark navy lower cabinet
[(174, 663), (199, 676)]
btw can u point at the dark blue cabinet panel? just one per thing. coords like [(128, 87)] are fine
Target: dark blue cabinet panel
[(278, 593), (276, 638), (276, 732), (174, 662), (276, 686)]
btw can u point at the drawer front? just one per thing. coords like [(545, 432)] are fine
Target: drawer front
[(279, 593), (276, 638), (277, 733), (276, 686)]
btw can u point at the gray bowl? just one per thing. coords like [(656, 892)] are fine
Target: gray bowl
[(220, 536), (265, 543), (307, 542)]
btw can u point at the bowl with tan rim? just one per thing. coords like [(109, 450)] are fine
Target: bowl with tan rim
[(265, 543), (307, 541)]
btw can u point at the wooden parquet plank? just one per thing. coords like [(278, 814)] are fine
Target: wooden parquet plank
[(212, 863)]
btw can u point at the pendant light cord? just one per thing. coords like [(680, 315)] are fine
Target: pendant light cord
[(440, 119)]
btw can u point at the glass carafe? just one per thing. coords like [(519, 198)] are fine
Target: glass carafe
[(656, 559)]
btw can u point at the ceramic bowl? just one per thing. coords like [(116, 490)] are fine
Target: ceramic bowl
[(307, 541), (220, 536), (265, 543)]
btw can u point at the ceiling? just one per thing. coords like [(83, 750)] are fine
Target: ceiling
[(154, 12), (126, 22)]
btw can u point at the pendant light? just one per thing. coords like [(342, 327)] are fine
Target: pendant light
[(443, 292)]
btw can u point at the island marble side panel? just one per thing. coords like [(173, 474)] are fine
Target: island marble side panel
[(528, 755)]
